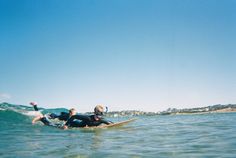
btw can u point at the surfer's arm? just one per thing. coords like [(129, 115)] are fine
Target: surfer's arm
[(68, 122), (53, 116), (37, 118), (64, 116), (77, 117), (106, 122)]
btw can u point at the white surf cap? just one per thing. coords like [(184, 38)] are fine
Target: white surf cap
[(99, 109)]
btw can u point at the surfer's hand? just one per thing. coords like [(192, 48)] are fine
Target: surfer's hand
[(65, 127)]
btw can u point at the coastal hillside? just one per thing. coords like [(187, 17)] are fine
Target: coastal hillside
[(173, 111)]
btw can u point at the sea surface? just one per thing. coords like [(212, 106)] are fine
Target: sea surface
[(170, 136)]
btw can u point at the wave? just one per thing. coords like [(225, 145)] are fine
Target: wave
[(19, 113)]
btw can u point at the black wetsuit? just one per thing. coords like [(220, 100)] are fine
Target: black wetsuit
[(46, 122), (64, 116), (35, 108), (87, 120)]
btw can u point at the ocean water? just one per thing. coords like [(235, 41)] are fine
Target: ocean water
[(171, 136)]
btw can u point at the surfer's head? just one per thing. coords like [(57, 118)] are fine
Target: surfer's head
[(98, 110), (72, 112)]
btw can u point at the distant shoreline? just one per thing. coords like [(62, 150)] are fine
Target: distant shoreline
[(229, 108), (211, 112)]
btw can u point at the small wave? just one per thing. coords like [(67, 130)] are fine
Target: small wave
[(28, 110), (31, 113), (12, 117), (2, 109)]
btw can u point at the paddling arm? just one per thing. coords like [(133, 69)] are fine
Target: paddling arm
[(106, 121), (77, 117)]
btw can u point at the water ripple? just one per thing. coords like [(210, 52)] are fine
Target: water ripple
[(211, 135)]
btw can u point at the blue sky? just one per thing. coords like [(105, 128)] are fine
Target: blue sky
[(127, 54)]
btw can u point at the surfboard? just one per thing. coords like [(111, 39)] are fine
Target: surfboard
[(117, 124)]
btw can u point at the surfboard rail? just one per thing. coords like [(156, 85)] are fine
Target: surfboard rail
[(121, 123)]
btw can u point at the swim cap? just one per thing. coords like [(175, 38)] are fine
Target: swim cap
[(72, 111), (99, 109), (33, 103)]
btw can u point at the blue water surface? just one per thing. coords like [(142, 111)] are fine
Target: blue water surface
[(172, 136)]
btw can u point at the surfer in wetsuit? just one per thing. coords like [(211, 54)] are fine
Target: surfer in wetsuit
[(89, 120), (64, 116)]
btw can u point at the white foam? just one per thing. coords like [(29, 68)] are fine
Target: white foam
[(32, 113), (2, 109)]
